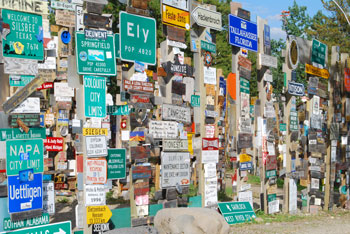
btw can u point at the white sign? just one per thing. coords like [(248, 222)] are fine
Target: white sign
[(209, 75), (268, 76), (163, 129), (207, 18), (209, 170), (175, 145), (49, 198), (268, 61), (96, 146), (79, 18), (210, 156), (210, 191), (176, 113), (29, 106), (95, 195), (316, 105), (209, 131), (292, 196), (181, 4), (245, 187), (48, 64), (142, 210), (96, 171), (176, 44), (246, 196), (175, 169), (63, 90), (315, 183), (274, 206)]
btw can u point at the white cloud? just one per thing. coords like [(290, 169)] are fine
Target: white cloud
[(276, 17), (277, 33)]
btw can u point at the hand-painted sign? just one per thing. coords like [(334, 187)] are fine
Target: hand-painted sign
[(95, 96), (95, 195), (296, 89), (54, 143), (97, 214), (24, 39), (163, 129), (137, 38), (271, 162), (95, 56), (138, 86), (141, 172), (209, 75), (207, 18), (140, 153), (176, 113), (116, 161), (22, 155), (25, 194), (96, 171), (97, 21), (316, 71), (175, 17), (96, 146), (244, 62), (243, 33), (36, 221), (31, 6), (293, 53), (175, 169), (237, 212), (319, 51)]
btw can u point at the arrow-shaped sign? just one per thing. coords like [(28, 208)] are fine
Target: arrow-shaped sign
[(55, 228), (207, 18), (98, 214), (60, 231)]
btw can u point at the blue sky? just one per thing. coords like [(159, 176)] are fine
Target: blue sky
[(271, 10)]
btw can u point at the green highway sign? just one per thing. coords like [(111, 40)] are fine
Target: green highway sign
[(245, 85), (318, 54), (271, 173), (195, 101), (271, 197), (116, 45), (237, 212), (208, 46), (20, 80), (55, 228), (16, 134), (118, 110), (137, 38), (293, 125), (24, 37), (12, 225), (283, 127), (24, 154), (95, 96), (116, 161), (95, 56)]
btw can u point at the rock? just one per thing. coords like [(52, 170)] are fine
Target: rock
[(259, 220), (189, 221)]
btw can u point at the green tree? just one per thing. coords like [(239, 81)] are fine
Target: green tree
[(277, 73)]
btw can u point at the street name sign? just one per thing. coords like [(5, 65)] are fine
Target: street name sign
[(20, 80), (175, 17), (25, 37), (237, 212), (116, 164), (95, 56), (55, 228), (318, 54), (95, 96), (98, 214), (207, 18), (16, 134), (137, 38), (12, 225), (208, 46), (243, 33)]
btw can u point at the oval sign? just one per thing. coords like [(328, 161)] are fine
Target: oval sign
[(293, 53)]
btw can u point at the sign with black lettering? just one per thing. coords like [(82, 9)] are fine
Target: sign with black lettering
[(175, 169)]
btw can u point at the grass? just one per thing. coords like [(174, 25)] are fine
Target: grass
[(279, 217), (110, 200), (63, 200), (252, 179)]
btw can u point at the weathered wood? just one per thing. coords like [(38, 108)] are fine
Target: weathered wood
[(25, 215), (20, 66)]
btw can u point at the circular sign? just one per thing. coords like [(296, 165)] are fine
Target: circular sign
[(208, 59), (65, 37), (293, 53), (343, 190)]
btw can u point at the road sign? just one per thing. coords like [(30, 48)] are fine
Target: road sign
[(95, 96), (20, 80), (137, 38), (236, 212), (195, 100), (208, 46), (23, 155), (175, 17), (207, 18), (118, 110), (12, 225), (243, 33), (95, 56), (55, 228), (318, 52), (316, 71), (25, 192), (116, 163), (15, 133), (24, 39), (293, 125), (181, 4), (98, 214)]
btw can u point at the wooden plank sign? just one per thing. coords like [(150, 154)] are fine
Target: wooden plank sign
[(176, 113), (17, 66), (244, 62), (31, 6), (96, 21), (140, 152), (141, 172), (176, 34), (65, 18), (141, 188)]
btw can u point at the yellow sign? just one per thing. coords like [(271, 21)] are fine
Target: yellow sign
[(95, 131), (253, 100), (98, 214), (176, 17), (316, 71), (245, 158)]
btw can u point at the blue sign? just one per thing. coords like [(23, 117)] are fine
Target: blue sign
[(244, 166), (296, 89), (267, 40), (243, 33), (25, 195)]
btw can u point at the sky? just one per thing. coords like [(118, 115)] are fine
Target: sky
[(271, 10)]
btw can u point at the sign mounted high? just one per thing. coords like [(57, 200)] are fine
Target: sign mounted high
[(318, 52), (181, 4), (207, 18), (31, 6), (293, 53), (175, 17), (176, 113), (137, 38), (316, 71), (243, 33), (95, 96)]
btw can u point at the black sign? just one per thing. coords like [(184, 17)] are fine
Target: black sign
[(245, 140), (172, 68), (92, 7), (178, 88), (244, 14), (31, 120), (96, 21), (245, 73), (100, 228)]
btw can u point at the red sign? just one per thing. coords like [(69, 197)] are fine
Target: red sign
[(54, 143), (138, 86), (46, 85), (139, 99), (347, 79), (271, 162), (210, 144)]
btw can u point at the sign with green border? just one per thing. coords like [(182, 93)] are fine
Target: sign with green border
[(237, 212), (271, 173), (195, 101), (116, 161), (318, 54), (54, 228), (36, 221), (95, 96), (20, 80), (16, 134), (208, 46), (245, 85)]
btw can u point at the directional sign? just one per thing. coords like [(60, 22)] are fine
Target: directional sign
[(24, 154), (207, 18), (296, 89), (243, 33), (236, 212), (116, 164), (11, 225), (316, 71), (95, 56), (137, 38), (25, 193), (318, 52), (98, 214), (95, 96), (55, 228), (175, 17), (24, 38)]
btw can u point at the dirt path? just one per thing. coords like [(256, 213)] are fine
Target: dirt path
[(325, 223)]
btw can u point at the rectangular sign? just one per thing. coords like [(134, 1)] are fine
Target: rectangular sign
[(118, 110), (20, 80), (137, 38), (20, 66), (243, 33), (210, 191), (210, 156), (31, 6), (163, 129), (95, 195), (95, 96), (25, 194), (95, 56), (176, 113), (268, 60), (141, 172), (246, 166), (209, 75), (54, 143), (116, 161), (65, 18), (36, 221), (55, 228), (237, 212), (296, 89), (96, 146), (175, 17), (23, 155), (15, 133), (208, 46), (319, 51), (25, 38), (175, 145), (49, 197), (97, 214), (195, 100), (175, 169), (309, 69), (62, 5), (210, 144), (181, 4), (96, 171), (31, 105), (138, 86), (95, 131), (207, 18)]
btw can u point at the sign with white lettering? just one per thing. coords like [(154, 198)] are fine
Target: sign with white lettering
[(175, 145), (36, 221), (163, 129), (207, 18), (96, 171), (95, 195), (62, 5), (243, 33), (296, 89), (176, 113), (175, 169), (116, 161), (210, 144), (54, 143), (96, 146), (95, 96), (96, 34)]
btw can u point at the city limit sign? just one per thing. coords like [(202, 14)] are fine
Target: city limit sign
[(137, 38)]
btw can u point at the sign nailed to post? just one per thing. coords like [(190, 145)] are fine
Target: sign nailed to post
[(175, 169), (175, 17), (318, 52), (96, 146), (98, 214), (296, 89), (96, 171), (181, 4), (95, 96), (207, 18), (116, 161)]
